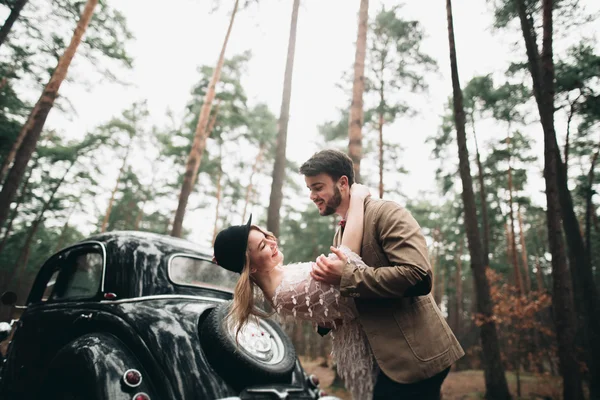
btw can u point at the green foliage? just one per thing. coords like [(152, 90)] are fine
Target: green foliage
[(579, 71), (568, 13), (395, 60), (305, 234)]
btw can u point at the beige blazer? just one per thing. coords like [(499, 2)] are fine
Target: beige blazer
[(409, 336)]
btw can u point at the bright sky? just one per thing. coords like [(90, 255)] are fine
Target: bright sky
[(173, 40)]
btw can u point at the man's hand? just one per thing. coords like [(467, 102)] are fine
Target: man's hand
[(329, 271)]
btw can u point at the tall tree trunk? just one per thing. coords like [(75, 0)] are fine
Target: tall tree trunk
[(358, 87), (562, 298), (12, 17), (257, 162), (273, 217), (32, 129), (483, 200), (526, 269), (513, 244), (195, 156), (114, 191), (495, 380), (459, 291), (381, 122), (558, 197)]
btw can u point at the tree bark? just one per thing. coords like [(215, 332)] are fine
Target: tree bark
[(558, 198), (358, 87), (276, 198), (12, 17), (199, 143), (32, 129), (459, 291), (495, 380)]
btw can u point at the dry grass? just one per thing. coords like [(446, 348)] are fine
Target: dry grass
[(461, 385)]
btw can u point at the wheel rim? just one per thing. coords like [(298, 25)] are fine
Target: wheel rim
[(259, 340)]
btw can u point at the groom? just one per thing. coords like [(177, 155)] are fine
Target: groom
[(411, 341)]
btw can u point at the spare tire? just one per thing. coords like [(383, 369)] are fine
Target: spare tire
[(262, 354)]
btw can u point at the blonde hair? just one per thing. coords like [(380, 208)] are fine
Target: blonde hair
[(243, 305)]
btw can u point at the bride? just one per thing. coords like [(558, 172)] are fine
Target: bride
[(253, 253)]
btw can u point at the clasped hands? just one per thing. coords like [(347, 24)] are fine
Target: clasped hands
[(327, 270)]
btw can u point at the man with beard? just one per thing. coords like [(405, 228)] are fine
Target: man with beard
[(412, 344)]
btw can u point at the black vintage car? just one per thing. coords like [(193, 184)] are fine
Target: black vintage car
[(137, 316)]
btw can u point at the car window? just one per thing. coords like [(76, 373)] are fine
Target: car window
[(184, 270), (79, 275)]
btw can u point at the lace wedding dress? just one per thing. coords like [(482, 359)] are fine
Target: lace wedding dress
[(299, 296)]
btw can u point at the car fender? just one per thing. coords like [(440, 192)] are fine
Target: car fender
[(93, 366)]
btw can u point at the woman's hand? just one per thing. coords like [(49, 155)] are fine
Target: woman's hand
[(360, 191)]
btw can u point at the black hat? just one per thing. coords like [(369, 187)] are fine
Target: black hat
[(230, 246)]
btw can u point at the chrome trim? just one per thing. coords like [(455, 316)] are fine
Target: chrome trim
[(162, 297), (129, 384), (172, 256), (282, 395), (102, 246), (140, 394)]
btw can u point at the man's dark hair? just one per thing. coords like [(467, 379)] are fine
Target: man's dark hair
[(331, 162)]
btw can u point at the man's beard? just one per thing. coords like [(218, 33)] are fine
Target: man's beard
[(333, 203)]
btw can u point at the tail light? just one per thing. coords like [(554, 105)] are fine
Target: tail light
[(132, 378), (313, 380), (140, 396)]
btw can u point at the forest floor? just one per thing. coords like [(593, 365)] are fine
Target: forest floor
[(459, 385)]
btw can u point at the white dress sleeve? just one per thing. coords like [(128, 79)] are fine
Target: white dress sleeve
[(300, 296)]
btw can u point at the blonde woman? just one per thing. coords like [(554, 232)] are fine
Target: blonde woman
[(253, 253)]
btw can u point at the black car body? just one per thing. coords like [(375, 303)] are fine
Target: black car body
[(150, 306)]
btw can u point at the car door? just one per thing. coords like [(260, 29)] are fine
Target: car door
[(67, 287)]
